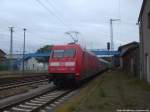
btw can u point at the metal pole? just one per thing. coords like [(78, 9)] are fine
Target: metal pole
[(111, 35), (11, 49), (23, 50)]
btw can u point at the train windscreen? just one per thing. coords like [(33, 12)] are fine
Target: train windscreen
[(58, 53), (63, 53), (69, 53)]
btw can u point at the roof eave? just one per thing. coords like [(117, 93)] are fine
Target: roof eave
[(3, 52), (141, 11)]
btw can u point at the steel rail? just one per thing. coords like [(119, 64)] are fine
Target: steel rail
[(37, 103), (24, 98), (13, 85)]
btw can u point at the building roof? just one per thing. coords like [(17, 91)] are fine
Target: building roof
[(142, 9), (2, 52), (125, 48), (15, 56)]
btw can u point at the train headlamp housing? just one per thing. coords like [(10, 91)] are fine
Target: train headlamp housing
[(54, 64), (66, 64), (69, 64)]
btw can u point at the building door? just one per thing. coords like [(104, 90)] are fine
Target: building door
[(147, 68)]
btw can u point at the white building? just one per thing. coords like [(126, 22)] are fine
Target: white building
[(32, 64)]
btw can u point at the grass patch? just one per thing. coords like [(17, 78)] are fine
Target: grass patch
[(109, 92), (101, 92)]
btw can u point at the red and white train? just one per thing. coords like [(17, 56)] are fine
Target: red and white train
[(70, 64)]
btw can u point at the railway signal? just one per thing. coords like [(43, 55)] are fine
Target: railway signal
[(108, 46)]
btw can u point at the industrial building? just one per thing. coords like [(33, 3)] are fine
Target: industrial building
[(2, 55), (144, 26), (129, 58)]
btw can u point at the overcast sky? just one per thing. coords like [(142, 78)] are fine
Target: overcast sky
[(47, 26)]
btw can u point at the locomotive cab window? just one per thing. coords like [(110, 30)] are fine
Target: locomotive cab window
[(58, 53), (69, 53)]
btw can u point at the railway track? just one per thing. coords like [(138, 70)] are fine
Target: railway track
[(8, 83), (18, 84), (40, 103), (23, 79)]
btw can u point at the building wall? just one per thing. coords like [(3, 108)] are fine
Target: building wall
[(2, 57), (130, 62), (33, 65), (145, 44)]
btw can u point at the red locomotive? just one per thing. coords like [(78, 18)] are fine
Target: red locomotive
[(70, 64)]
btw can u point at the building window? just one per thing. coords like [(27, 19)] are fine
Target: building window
[(149, 20)]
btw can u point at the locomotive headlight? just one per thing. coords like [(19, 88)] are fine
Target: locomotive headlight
[(54, 64), (69, 63)]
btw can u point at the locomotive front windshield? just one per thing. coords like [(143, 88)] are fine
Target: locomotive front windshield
[(63, 53), (58, 53), (69, 53)]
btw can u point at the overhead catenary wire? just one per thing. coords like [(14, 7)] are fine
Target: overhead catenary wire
[(52, 13), (56, 12), (74, 37), (52, 5)]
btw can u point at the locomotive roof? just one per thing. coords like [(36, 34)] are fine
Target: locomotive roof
[(67, 45), (74, 45)]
